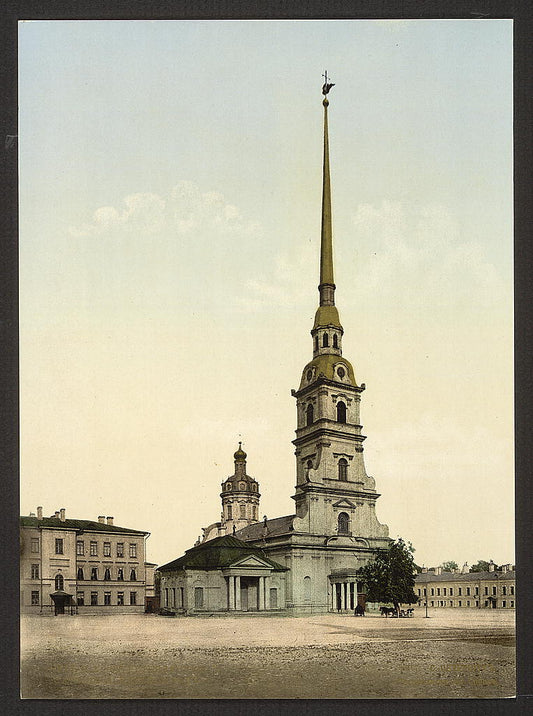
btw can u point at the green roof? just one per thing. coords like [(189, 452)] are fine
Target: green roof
[(218, 553), (78, 525), (325, 364)]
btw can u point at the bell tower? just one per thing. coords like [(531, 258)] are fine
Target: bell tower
[(240, 496), (334, 496)]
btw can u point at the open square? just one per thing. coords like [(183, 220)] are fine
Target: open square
[(454, 653)]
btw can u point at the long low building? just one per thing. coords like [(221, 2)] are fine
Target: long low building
[(82, 566), (495, 588)]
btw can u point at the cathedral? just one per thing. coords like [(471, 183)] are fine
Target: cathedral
[(304, 562)]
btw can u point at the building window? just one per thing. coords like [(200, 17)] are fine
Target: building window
[(444, 591), (94, 599), (343, 469), (133, 576), (307, 589), (80, 548), (316, 343), (35, 598), (477, 604), (476, 591), (242, 511), (486, 603), (229, 512), (120, 599), (35, 545), (198, 597), (120, 574), (107, 549), (107, 575), (432, 603), (242, 486), (335, 341), (460, 590), (438, 591), (504, 603), (133, 549), (460, 603), (107, 599), (486, 591), (419, 592), (59, 582), (325, 340), (425, 590), (504, 591), (512, 604), (80, 598), (432, 592), (468, 603), (59, 545), (35, 571), (493, 591), (468, 591), (228, 487), (341, 412), (343, 523), (94, 573), (133, 598), (309, 414), (120, 549), (512, 589), (451, 591), (80, 574), (93, 549)]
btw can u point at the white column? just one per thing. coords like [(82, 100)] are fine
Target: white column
[(231, 593), (261, 594), (333, 596), (238, 594), (343, 597)]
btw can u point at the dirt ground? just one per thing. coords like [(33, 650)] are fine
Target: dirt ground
[(455, 653)]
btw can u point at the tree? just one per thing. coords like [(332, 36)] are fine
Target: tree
[(391, 576), (481, 566), (449, 566)]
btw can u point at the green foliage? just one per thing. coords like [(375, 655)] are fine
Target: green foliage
[(449, 566), (391, 577), (481, 566)]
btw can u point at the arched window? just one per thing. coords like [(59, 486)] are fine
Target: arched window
[(309, 414), (243, 511), (325, 340), (316, 343), (343, 522), (307, 589), (341, 412), (242, 486), (59, 582), (229, 512), (94, 573), (335, 341), (80, 573), (343, 469), (133, 576), (107, 575)]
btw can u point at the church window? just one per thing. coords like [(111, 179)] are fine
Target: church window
[(335, 341), (242, 486), (243, 511), (59, 582), (309, 375), (309, 414), (340, 372), (343, 469), (229, 512), (94, 573), (341, 412), (120, 574), (316, 343), (343, 522), (80, 573), (198, 597), (228, 487), (307, 589), (325, 340)]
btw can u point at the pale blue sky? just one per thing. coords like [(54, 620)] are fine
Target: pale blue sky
[(169, 225)]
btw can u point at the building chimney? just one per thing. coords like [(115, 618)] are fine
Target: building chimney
[(110, 520), (39, 513), (504, 568), (424, 570), (62, 514), (56, 514), (465, 568), (101, 519), (492, 566)]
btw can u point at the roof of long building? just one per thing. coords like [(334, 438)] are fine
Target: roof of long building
[(78, 525), (460, 577), (218, 552)]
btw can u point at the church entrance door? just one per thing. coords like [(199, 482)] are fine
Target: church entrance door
[(244, 596)]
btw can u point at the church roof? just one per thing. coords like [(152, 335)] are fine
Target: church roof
[(216, 553), (274, 527), (325, 364)]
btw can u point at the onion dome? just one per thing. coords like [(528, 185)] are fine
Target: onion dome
[(239, 455)]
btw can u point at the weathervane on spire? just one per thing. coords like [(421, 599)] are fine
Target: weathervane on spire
[(326, 86)]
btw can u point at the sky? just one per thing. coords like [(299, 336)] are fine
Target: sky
[(170, 192)]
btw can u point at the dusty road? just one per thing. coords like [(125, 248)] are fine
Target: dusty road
[(454, 654)]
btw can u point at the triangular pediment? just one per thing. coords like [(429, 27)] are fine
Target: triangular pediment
[(251, 561), (345, 502)]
